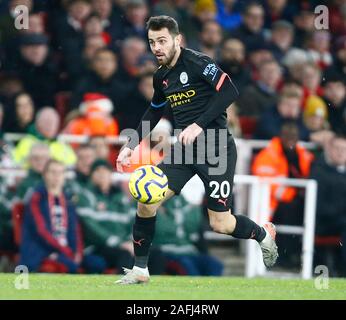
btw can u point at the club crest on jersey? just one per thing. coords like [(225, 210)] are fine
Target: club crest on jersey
[(184, 78)]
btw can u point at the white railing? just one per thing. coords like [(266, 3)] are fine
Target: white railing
[(258, 210), (255, 202), (259, 201)]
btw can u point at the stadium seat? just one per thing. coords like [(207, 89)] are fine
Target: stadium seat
[(17, 218), (62, 100), (248, 126), (327, 240)]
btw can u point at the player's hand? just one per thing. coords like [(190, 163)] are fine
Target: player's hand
[(189, 134), (124, 158)]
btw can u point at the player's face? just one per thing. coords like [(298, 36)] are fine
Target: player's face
[(163, 45)]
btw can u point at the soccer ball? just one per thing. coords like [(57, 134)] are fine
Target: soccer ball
[(148, 184)]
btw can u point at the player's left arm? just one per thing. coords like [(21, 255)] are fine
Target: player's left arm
[(225, 94)]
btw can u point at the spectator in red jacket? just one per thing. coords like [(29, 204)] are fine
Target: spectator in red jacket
[(51, 238)]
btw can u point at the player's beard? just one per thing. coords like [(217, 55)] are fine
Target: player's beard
[(170, 56)]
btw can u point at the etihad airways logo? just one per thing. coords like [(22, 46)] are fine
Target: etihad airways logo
[(181, 98)]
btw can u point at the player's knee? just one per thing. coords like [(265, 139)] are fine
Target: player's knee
[(146, 210), (218, 225), (221, 223)]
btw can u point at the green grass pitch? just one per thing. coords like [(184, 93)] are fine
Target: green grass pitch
[(43, 286)]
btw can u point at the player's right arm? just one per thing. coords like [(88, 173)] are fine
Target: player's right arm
[(152, 116)]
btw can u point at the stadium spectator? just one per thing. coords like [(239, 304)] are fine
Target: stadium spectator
[(136, 14), (260, 53), (330, 172), (92, 44), (82, 63), (101, 147), (69, 26), (103, 79), (95, 117), (137, 103), (316, 120), (85, 158), (179, 235), (69, 37), (250, 32), (132, 51), (111, 17), (227, 16), (284, 157), (318, 49), (304, 23), (335, 97), (93, 27), (23, 116), (260, 96), (6, 227), (35, 62), (178, 9), (38, 158), (295, 60), (2, 142), (202, 11), (339, 66), (6, 224), (36, 24), (210, 39), (51, 239), (276, 10), (311, 80), (288, 108), (232, 61), (45, 130), (110, 236), (10, 86), (281, 40)]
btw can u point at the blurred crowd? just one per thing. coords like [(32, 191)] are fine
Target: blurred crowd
[(84, 67)]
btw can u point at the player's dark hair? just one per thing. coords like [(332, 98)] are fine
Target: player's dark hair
[(159, 22)]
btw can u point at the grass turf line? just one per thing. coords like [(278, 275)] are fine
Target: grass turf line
[(44, 286)]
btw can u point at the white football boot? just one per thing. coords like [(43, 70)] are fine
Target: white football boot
[(268, 245), (135, 275)]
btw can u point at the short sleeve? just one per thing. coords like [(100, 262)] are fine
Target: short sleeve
[(209, 71), (159, 99)]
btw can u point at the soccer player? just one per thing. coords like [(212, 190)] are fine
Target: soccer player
[(198, 92)]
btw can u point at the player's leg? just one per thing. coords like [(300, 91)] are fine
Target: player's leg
[(219, 195), (144, 229), (144, 226)]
